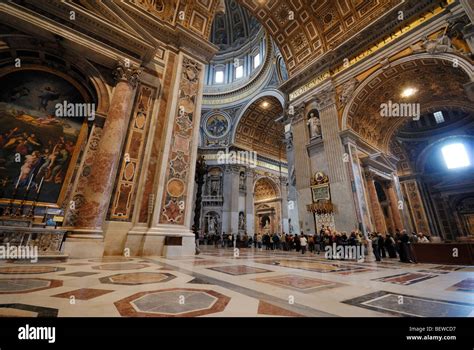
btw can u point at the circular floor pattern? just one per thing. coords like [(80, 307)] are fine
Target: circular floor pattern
[(29, 269), (120, 266)]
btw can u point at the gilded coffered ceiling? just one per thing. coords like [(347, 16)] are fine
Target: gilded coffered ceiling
[(258, 131), (265, 189), (437, 83), (304, 30)]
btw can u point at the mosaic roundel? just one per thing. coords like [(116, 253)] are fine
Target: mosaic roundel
[(217, 125)]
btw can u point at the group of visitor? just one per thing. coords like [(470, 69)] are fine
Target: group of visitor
[(398, 245), (391, 246)]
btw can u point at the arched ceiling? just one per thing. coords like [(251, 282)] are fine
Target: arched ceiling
[(258, 131), (438, 85), (265, 189)]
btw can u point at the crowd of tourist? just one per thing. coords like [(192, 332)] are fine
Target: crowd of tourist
[(398, 245)]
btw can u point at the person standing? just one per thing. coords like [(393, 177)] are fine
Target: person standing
[(259, 241), (303, 243)]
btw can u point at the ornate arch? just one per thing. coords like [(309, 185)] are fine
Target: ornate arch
[(77, 68), (375, 82), (265, 188)]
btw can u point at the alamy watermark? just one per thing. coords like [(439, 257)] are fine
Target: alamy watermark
[(37, 333), (12, 252), (75, 110), (394, 109), (248, 158), (345, 252)]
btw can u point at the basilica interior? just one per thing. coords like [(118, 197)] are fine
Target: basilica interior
[(215, 149)]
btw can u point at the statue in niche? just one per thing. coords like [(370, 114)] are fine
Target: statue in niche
[(242, 221), (212, 225), (265, 222), (242, 180), (214, 187), (314, 125)]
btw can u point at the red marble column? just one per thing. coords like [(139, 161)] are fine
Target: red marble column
[(374, 203), (392, 197), (91, 213)]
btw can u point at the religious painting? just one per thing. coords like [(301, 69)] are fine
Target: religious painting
[(38, 149), (217, 125)]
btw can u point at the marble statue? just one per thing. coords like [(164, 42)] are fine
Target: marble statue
[(314, 126), (241, 221)]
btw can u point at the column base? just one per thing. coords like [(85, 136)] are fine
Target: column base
[(370, 252), (161, 240), (81, 245)]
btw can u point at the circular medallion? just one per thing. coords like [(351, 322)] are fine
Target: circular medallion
[(175, 187), (217, 125)]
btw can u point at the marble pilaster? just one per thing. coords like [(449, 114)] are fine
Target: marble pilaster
[(250, 215), (340, 185)]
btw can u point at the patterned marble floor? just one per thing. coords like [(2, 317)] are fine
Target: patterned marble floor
[(215, 284)]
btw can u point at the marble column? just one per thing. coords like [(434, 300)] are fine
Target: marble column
[(87, 239), (394, 206), (342, 197), (374, 203)]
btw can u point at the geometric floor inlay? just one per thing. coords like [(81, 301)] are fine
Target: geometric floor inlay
[(136, 278), (120, 266), (265, 308), (299, 283), (80, 274), (407, 305), (175, 302), (309, 265), (466, 286), (237, 270), (405, 279), (29, 269), (26, 285), (111, 259), (24, 310), (83, 293)]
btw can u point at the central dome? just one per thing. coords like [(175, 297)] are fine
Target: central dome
[(233, 28)]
